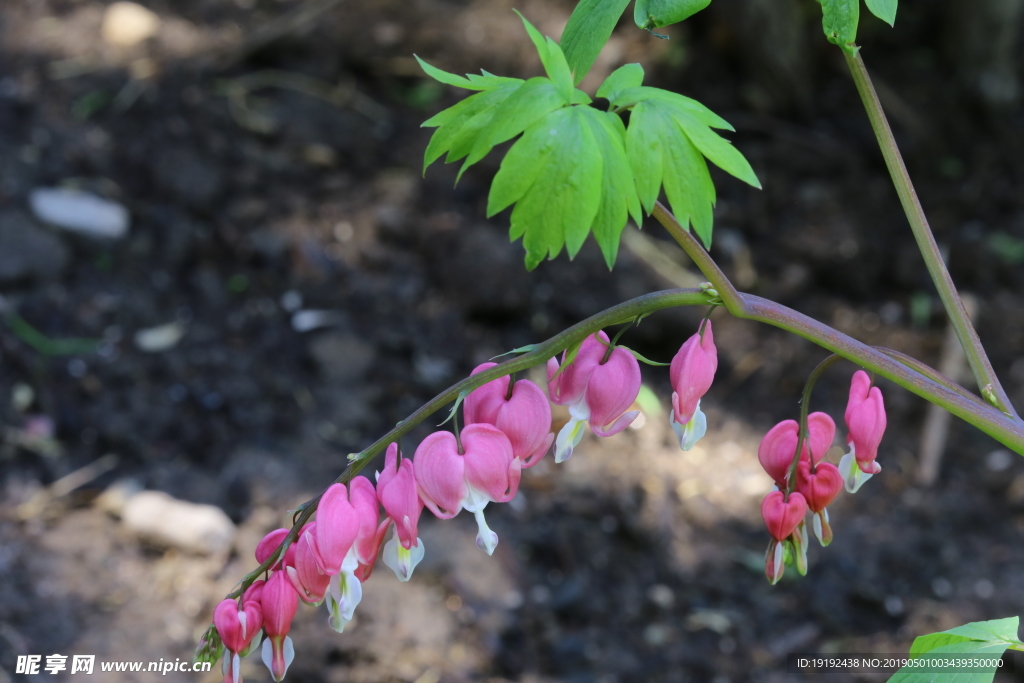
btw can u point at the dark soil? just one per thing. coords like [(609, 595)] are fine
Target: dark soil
[(253, 200)]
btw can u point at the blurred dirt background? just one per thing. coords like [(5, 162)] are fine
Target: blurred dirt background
[(288, 287)]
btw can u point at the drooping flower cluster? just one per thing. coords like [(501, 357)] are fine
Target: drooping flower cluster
[(507, 429), (806, 482)]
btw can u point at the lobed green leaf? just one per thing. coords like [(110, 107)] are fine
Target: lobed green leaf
[(536, 98), (469, 82), (626, 76), (627, 97), (589, 28), (553, 59), (459, 126), (553, 175), (618, 191)]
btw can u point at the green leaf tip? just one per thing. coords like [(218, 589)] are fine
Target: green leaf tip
[(589, 28), (884, 10), (651, 14)]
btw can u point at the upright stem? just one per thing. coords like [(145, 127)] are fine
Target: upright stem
[(805, 406), (991, 389), (1007, 430)]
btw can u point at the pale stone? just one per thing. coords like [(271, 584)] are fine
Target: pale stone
[(126, 24), (159, 518)]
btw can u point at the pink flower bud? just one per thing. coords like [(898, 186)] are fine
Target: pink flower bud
[(237, 626), (338, 525), (865, 418), (781, 515), (306, 578), (254, 592), (692, 372), (525, 417), (269, 544), (779, 445), (396, 490), (279, 602)]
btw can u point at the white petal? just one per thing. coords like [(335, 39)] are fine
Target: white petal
[(853, 477), (568, 438), (486, 539), (401, 561), (693, 431)]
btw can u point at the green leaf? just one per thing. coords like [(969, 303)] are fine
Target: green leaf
[(535, 99), (884, 10), (660, 153), (646, 361), (719, 150), (553, 59), (688, 183), (650, 14), (643, 148), (839, 21), (553, 174), (589, 28), (459, 126), (470, 82), (628, 97), (618, 191), (626, 76), (994, 630), (986, 640)]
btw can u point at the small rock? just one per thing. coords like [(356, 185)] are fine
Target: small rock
[(159, 338), (309, 320), (27, 251), (157, 517), (115, 497), (126, 24), (80, 212)]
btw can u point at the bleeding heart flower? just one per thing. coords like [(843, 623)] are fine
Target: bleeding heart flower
[(596, 390), (692, 372), (483, 470), (236, 628), (783, 516), (819, 487), (338, 525), (777, 448), (524, 415)]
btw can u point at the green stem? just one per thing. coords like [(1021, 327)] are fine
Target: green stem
[(1005, 429), (616, 315), (969, 340), (805, 403)]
